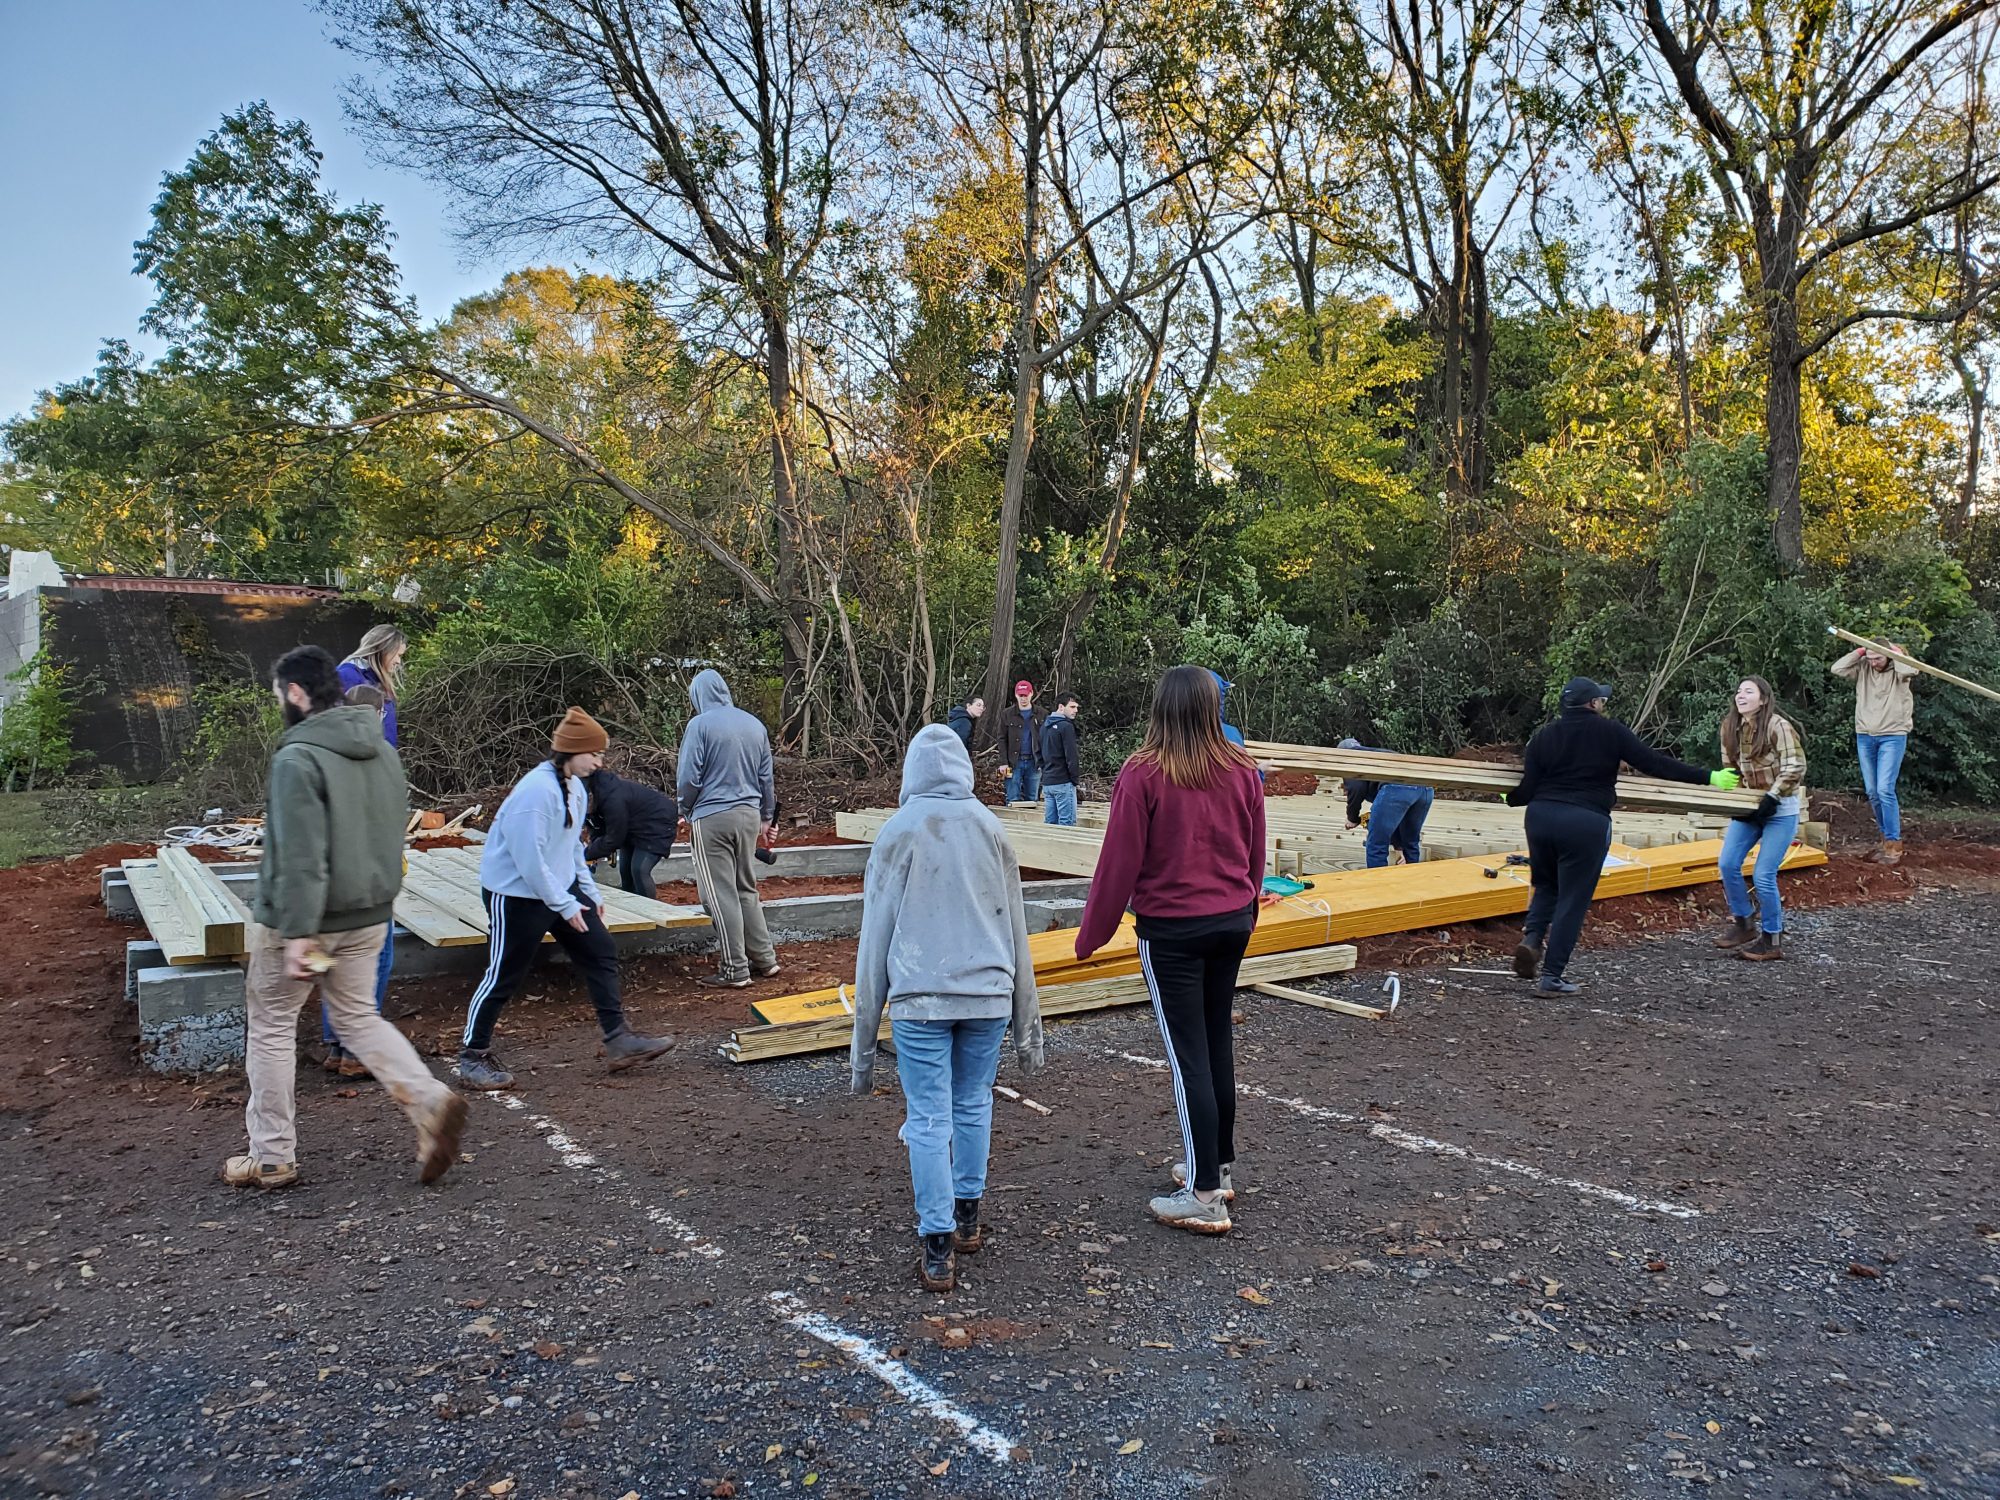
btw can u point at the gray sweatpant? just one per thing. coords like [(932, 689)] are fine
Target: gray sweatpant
[(725, 846)]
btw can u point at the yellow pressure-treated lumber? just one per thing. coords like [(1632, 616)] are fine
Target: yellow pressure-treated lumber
[(1321, 1002)]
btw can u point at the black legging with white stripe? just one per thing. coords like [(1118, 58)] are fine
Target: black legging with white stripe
[(518, 925), (1193, 984)]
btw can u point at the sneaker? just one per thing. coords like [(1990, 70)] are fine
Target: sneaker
[(437, 1137), (1185, 1211), (1228, 1186), (481, 1072), (1527, 960), (625, 1047), (722, 982), (968, 1234), (768, 971), (247, 1171), (1554, 984), (937, 1268)]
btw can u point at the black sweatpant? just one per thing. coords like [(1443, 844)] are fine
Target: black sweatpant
[(1566, 849), (635, 871), (1193, 985), (517, 925)]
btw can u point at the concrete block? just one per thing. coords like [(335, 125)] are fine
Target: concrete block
[(795, 860), (140, 954), (191, 1018)]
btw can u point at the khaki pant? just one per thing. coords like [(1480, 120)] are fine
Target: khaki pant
[(271, 1048), (725, 845)]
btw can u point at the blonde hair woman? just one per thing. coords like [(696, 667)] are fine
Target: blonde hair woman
[(378, 663)]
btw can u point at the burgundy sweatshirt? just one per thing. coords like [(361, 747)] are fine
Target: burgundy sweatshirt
[(1172, 851)]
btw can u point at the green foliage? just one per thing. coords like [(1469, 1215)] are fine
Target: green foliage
[(35, 724), (1416, 694), (228, 753)]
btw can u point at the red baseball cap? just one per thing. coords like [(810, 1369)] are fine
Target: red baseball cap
[(1024, 686)]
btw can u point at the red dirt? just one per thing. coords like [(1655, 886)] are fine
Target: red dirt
[(775, 888)]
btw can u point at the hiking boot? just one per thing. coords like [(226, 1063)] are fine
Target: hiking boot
[(1185, 1211), (336, 1055), (437, 1137), (352, 1066), (626, 1047), (967, 1234), (1554, 984), (937, 1268), (1891, 852), (1226, 1169), (247, 1171), (481, 1071), (1768, 945), (722, 982), (1874, 855), (1527, 960), (767, 971), (1736, 934)]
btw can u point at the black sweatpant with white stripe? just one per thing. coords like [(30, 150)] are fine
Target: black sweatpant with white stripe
[(518, 925), (1193, 984)]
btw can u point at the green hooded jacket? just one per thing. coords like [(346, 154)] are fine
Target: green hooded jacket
[(334, 816)]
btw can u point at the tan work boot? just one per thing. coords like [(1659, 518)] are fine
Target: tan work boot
[(1891, 852), (247, 1171), (1736, 934), (438, 1135)]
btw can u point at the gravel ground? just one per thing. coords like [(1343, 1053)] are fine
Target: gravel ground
[(1705, 1226)]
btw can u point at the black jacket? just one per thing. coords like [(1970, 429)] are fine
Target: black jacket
[(1060, 766), (959, 722), (628, 815), (1010, 734), (1576, 758)]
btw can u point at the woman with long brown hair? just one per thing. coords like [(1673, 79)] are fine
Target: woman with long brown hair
[(1184, 849), (1764, 748)]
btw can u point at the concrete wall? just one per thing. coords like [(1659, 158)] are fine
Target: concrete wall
[(20, 639)]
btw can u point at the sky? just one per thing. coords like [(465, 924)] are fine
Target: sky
[(98, 100)]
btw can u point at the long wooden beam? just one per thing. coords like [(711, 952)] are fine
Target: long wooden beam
[(1903, 656)]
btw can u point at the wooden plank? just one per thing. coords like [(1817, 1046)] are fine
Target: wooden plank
[(1903, 656), (211, 917), (756, 1043), (432, 923), (160, 908), (1321, 1002)]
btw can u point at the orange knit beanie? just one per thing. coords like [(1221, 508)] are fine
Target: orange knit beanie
[(579, 734)]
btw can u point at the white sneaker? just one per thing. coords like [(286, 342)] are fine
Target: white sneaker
[(1185, 1211), (1228, 1187)]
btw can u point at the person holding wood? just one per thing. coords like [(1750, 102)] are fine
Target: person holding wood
[(1884, 713), (1763, 746), (1021, 744), (369, 676), (1569, 779), (1184, 849), (729, 794), (537, 883), (1398, 819), (944, 952), (633, 821), (336, 805)]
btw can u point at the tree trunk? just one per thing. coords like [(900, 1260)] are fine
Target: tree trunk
[(1027, 395), (1972, 380), (1786, 439), (785, 507)]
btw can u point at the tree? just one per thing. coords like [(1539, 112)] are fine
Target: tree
[(1838, 138)]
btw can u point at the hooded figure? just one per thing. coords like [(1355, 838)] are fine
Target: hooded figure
[(725, 758), (944, 951), (730, 798), (1229, 731)]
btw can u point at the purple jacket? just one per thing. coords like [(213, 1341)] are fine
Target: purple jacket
[(353, 676)]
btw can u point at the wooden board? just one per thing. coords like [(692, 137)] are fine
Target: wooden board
[(442, 902), (756, 1043), (160, 908), (210, 915)]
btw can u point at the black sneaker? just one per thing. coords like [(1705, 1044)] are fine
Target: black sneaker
[(481, 1072), (1554, 984), (722, 982), (968, 1235), (938, 1268), (625, 1047)]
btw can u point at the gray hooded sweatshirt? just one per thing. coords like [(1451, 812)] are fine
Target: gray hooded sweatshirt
[(725, 755), (943, 935)]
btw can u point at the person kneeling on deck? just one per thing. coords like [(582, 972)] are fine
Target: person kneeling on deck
[(944, 950), (536, 883), (729, 794), (1763, 746), (326, 887), (1569, 779), (634, 821), (1398, 819)]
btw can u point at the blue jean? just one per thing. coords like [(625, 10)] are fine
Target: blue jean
[(947, 1070), (1881, 758), (1059, 805), (382, 967), (1772, 840), (1398, 822), (1025, 784)]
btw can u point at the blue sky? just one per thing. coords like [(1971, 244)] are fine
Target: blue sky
[(98, 98)]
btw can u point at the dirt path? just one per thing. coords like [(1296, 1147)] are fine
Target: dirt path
[(1499, 1247)]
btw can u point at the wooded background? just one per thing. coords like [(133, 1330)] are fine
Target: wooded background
[(1395, 358)]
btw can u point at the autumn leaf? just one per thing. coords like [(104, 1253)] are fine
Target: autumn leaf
[(1251, 1295), (1132, 1447)]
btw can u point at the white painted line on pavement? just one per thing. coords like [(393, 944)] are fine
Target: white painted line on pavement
[(1410, 1141), (918, 1392)]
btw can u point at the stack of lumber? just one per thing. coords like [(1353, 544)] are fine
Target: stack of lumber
[(1341, 907), (1477, 776), (190, 913), (442, 903)]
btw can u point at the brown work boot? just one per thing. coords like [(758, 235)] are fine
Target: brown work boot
[(937, 1264), (1768, 946), (1736, 934), (1891, 852), (438, 1135), (1527, 959)]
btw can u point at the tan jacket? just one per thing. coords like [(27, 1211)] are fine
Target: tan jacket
[(1883, 702)]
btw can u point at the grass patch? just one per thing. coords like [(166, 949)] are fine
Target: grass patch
[(41, 825)]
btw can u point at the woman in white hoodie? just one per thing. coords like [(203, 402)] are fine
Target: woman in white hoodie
[(536, 882), (944, 950)]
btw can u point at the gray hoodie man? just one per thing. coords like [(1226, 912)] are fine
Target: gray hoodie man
[(729, 798), (943, 933)]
